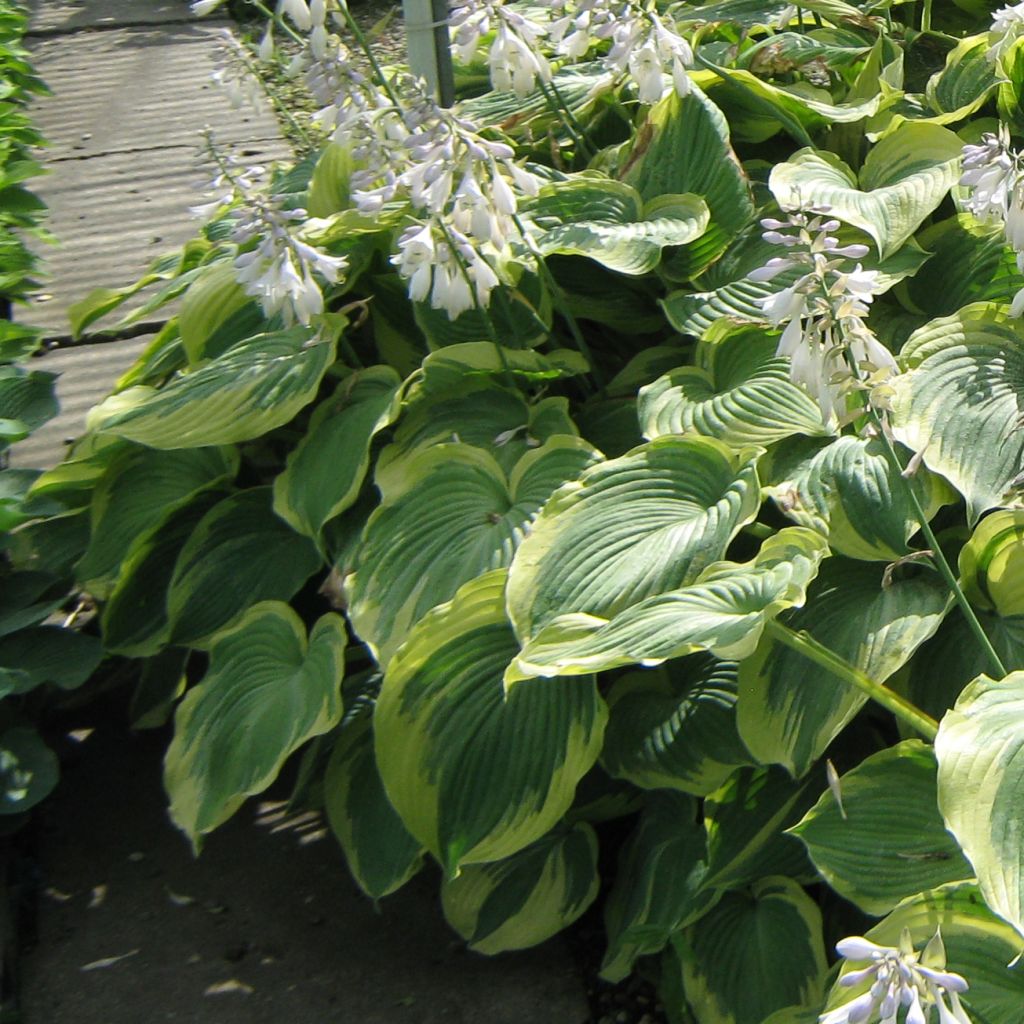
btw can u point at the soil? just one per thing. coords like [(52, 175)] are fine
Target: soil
[(265, 927)]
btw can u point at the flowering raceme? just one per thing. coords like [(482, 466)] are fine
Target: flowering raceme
[(901, 980), (992, 174), (830, 347)]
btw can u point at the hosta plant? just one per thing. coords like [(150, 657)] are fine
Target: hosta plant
[(632, 450)]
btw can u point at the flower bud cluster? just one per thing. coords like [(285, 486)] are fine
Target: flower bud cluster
[(281, 271), (638, 42), (514, 57), (903, 980), (993, 175), (235, 74), (830, 347), (1007, 28)]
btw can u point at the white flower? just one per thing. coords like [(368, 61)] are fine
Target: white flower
[(266, 48), (900, 977), (203, 7), (298, 11), (1007, 27)]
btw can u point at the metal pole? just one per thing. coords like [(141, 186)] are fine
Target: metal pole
[(426, 25)]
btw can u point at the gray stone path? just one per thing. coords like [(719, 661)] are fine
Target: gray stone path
[(131, 93)]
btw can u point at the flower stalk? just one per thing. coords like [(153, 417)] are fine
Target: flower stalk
[(805, 644)]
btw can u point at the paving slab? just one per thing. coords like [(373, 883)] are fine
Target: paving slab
[(112, 216), (265, 927), (138, 89), (51, 16), (87, 374)]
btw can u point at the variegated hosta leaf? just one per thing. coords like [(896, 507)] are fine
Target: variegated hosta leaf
[(904, 178), (744, 396), (851, 492), (953, 657), (880, 838), (726, 290), (267, 690), (723, 611), (675, 727), (477, 776), (992, 563), (456, 364), (325, 470), (381, 854), (684, 148), (480, 414), (658, 886), (980, 749), (448, 513), (240, 553), (255, 386), (137, 492), (47, 654), (632, 527), (790, 710), (210, 300), (607, 221), (528, 897), (771, 938), (958, 403), (979, 947), (746, 821), (965, 83), (970, 262)]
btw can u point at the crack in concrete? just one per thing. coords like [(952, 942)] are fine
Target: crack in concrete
[(99, 155)]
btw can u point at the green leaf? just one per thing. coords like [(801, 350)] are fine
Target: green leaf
[(743, 396), (134, 619), (953, 657), (770, 937), (161, 682), (992, 564), (477, 776), (456, 365), (329, 186), (675, 727), (324, 472), (746, 821), (210, 300), (788, 711), (28, 770), (47, 654), (658, 886), (27, 396), (723, 611), (381, 854), (266, 692), (965, 83), (904, 178), (607, 221), (684, 148), (241, 541), (631, 528), (255, 386), (979, 750), (137, 492), (958, 403), (970, 262), (448, 513), (886, 841), (849, 490), (979, 947), (528, 897)]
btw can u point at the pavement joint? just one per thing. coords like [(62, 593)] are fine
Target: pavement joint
[(74, 30)]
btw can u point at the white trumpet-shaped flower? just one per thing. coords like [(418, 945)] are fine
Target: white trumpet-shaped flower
[(904, 982), (830, 348), (1007, 27)]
